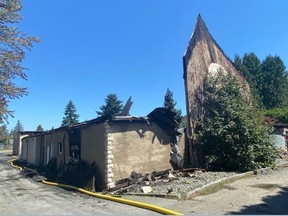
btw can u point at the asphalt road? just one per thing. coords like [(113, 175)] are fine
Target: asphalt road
[(23, 196), (264, 193)]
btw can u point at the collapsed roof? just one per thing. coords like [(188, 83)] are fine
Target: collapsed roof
[(164, 118)]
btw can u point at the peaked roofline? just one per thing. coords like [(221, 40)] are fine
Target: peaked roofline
[(198, 22), (200, 32)]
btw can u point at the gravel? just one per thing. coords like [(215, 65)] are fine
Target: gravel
[(182, 185), (178, 185)]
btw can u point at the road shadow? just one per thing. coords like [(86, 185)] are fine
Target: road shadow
[(276, 204)]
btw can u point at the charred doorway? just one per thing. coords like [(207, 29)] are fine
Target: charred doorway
[(75, 144)]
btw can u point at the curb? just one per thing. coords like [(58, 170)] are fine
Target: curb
[(205, 188), (221, 182), (142, 205)]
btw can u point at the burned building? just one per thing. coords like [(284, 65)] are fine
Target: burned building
[(115, 147), (17, 140), (202, 54)]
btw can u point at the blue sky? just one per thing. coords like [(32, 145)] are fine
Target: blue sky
[(92, 48)]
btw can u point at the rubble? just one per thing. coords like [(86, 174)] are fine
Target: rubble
[(76, 173), (178, 183), (166, 183), (30, 171), (146, 189)]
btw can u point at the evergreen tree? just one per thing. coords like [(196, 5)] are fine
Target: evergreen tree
[(70, 115), (275, 82), (39, 128), (250, 68), (4, 135), (18, 127), (13, 44), (232, 136), (170, 103), (112, 106), (268, 79)]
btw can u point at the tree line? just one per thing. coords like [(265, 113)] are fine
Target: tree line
[(232, 137), (268, 81), (113, 107)]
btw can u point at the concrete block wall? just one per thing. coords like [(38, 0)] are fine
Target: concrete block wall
[(135, 147)]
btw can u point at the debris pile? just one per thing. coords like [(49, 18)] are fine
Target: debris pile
[(51, 168), (30, 171), (174, 183), (76, 173)]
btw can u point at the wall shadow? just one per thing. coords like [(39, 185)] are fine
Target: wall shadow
[(141, 128), (276, 204)]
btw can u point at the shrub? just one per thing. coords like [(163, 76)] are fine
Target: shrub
[(232, 134)]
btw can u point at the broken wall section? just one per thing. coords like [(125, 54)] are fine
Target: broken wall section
[(202, 51)]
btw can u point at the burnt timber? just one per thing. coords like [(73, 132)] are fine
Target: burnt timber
[(201, 52)]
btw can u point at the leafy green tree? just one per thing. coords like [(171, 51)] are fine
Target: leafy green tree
[(232, 136), (13, 45), (39, 128), (112, 106), (170, 103), (70, 115), (275, 83)]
